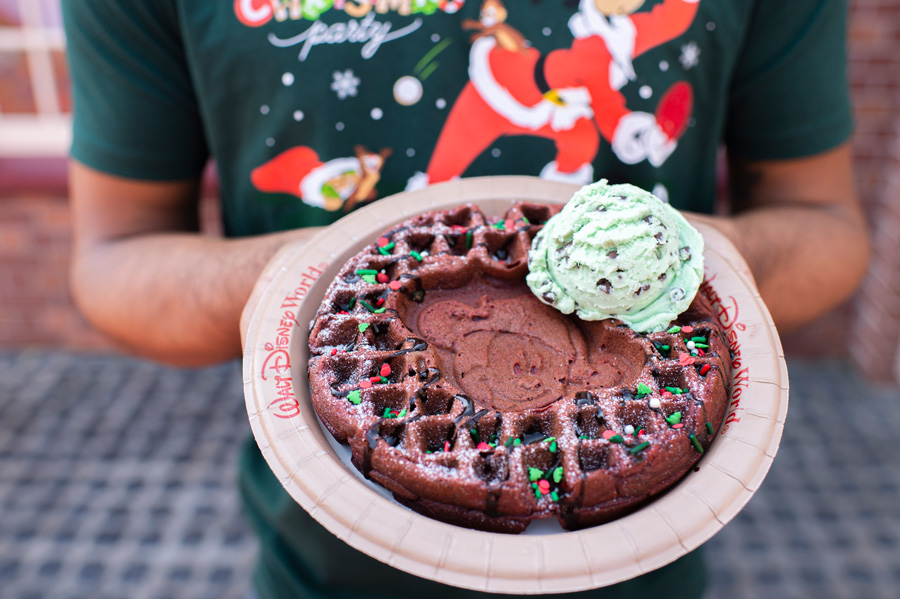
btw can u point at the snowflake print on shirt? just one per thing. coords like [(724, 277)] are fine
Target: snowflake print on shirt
[(345, 84), (690, 55)]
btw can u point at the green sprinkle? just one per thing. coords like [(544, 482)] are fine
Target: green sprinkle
[(553, 447), (662, 348), (709, 428), (617, 439), (475, 436), (698, 339), (525, 220), (354, 397), (387, 413), (695, 443), (416, 255), (468, 240), (701, 345), (371, 308), (352, 303), (402, 413), (675, 390), (583, 437), (366, 271), (548, 439), (508, 442), (639, 448), (557, 474), (500, 226), (554, 496), (363, 326), (385, 250), (370, 279), (517, 442), (674, 419), (535, 474), (674, 330), (383, 380), (537, 490), (643, 389)]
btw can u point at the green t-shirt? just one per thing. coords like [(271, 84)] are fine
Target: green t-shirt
[(323, 105), (311, 108)]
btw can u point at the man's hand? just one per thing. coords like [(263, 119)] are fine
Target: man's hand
[(143, 274), (799, 225)]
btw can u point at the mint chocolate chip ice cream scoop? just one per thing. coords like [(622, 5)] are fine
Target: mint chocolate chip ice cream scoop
[(617, 251)]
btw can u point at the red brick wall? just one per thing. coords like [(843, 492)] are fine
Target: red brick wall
[(35, 304), (875, 77)]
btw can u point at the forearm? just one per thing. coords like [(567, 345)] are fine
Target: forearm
[(173, 297), (806, 259)]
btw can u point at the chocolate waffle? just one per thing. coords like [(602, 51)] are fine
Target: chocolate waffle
[(478, 405)]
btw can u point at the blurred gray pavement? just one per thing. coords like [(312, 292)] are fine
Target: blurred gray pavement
[(117, 481)]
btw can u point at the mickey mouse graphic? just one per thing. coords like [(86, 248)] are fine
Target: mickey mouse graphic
[(570, 96), (517, 353)]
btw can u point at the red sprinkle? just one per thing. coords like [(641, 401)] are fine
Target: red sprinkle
[(704, 369), (608, 433), (687, 329), (395, 285), (334, 351), (375, 379), (365, 384), (380, 301), (446, 445), (508, 224), (544, 486), (667, 395), (482, 446), (679, 425), (383, 241), (685, 359), (381, 277), (458, 228), (700, 352), (385, 370)]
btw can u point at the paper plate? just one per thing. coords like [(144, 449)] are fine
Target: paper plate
[(544, 559)]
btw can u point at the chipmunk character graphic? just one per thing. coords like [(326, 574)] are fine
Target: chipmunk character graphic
[(570, 96), (492, 22), (370, 165), (338, 184)]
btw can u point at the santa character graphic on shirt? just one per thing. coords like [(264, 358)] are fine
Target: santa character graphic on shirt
[(571, 96), (338, 184)]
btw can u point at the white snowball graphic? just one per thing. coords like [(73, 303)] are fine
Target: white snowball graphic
[(287, 79), (646, 91), (407, 90), (298, 115), (376, 114)]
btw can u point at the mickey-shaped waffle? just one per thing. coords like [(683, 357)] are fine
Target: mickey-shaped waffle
[(476, 404)]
